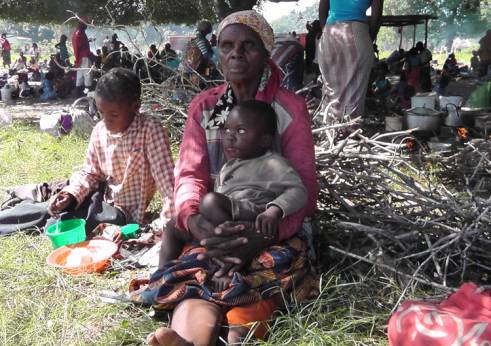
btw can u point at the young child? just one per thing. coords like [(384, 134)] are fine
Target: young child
[(48, 88), (255, 184), (475, 62), (127, 159), (381, 86)]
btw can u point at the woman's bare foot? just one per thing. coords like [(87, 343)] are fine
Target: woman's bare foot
[(166, 337)]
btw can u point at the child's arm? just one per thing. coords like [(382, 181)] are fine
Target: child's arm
[(267, 221), (161, 166), (60, 202), (87, 179), (291, 198)]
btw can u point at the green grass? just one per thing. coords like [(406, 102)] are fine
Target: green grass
[(40, 305), (29, 156)]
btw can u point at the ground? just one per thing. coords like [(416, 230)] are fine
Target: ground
[(43, 306), (31, 108)]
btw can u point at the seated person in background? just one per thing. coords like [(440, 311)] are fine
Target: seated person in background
[(105, 59), (450, 67), (255, 184), (475, 63), (403, 92), (153, 53), (168, 53), (48, 92), (33, 67), (127, 160), (381, 86), (24, 58), (54, 66), (20, 65)]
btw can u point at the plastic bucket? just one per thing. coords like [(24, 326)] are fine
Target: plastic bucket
[(427, 100), (6, 93), (129, 231), (66, 232)]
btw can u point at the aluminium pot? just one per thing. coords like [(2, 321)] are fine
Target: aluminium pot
[(424, 119)]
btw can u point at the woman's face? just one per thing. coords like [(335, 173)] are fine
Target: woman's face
[(242, 53)]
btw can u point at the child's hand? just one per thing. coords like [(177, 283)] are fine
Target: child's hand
[(59, 203), (267, 221)]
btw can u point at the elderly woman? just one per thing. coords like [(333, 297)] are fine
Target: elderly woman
[(245, 41)]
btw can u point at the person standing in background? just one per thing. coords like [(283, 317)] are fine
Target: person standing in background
[(62, 49), (5, 50), (81, 50), (346, 52)]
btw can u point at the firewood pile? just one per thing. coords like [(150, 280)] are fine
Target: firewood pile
[(423, 216), (386, 201)]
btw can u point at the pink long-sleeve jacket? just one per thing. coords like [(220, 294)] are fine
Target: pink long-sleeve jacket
[(201, 154)]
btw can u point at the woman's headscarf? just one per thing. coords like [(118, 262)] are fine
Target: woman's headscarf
[(227, 101), (253, 20)]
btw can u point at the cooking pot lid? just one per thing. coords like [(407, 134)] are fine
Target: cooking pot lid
[(422, 111)]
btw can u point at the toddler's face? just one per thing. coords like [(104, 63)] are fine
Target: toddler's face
[(243, 136), (117, 116)]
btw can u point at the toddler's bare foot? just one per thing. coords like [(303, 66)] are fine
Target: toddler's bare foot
[(166, 337)]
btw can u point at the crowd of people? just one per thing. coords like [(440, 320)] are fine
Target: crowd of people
[(64, 75)]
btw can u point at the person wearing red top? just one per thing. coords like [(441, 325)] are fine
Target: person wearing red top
[(245, 40), (81, 51), (5, 50)]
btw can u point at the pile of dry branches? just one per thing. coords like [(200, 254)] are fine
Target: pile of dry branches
[(423, 216)]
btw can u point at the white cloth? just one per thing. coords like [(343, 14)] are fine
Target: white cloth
[(84, 77)]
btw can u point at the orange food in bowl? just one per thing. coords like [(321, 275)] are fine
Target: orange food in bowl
[(91, 256)]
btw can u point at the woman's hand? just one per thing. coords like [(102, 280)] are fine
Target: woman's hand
[(234, 245), (200, 227)]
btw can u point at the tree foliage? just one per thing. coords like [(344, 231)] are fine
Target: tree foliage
[(464, 18), (125, 12)]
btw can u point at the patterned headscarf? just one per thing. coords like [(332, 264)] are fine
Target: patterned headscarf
[(253, 20)]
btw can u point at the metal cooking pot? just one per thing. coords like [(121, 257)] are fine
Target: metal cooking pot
[(476, 117), (425, 119)]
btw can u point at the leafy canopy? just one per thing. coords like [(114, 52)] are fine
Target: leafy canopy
[(126, 12)]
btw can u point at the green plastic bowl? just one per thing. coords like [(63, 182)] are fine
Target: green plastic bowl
[(69, 232), (129, 231)]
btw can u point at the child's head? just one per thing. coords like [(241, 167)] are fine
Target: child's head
[(249, 129), (117, 96)]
